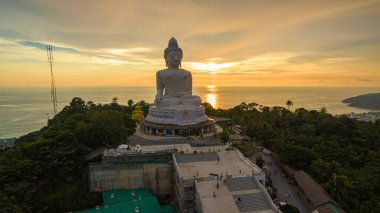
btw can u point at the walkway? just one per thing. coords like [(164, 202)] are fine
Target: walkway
[(285, 192)]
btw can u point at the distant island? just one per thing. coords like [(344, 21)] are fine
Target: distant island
[(367, 101)]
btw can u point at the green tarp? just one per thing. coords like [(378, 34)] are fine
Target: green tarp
[(123, 195), (126, 201), (146, 205), (168, 209)]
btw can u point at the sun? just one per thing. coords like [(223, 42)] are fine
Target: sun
[(212, 67)]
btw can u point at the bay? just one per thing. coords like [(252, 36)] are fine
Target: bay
[(24, 109)]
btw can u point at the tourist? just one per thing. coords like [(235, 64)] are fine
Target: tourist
[(218, 159), (217, 185), (239, 201), (214, 195)]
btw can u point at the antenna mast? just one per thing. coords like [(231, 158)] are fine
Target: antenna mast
[(53, 91)]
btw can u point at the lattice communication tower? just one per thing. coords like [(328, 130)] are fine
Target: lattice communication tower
[(53, 91)]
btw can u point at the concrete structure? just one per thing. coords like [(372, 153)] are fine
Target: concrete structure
[(129, 170), (176, 111), (227, 173), (186, 176)]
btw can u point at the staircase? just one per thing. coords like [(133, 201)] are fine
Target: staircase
[(241, 183), (253, 202)]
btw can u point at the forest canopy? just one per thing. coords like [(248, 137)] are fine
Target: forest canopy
[(46, 170), (342, 154)]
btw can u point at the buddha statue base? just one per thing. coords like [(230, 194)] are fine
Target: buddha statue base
[(177, 115), (178, 120)]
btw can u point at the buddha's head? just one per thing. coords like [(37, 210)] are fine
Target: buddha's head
[(173, 54)]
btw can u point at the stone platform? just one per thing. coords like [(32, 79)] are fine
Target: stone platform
[(199, 129), (180, 115)]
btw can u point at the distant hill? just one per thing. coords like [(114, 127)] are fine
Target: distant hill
[(367, 101)]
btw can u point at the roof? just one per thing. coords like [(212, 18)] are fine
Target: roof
[(123, 146), (146, 205), (123, 195), (241, 183), (314, 192), (254, 199), (168, 209), (328, 208), (190, 157), (236, 137), (288, 169), (124, 201), (201, 165)]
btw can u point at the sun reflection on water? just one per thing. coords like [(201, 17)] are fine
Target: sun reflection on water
[(211, 99)]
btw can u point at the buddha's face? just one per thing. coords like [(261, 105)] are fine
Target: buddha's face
[(173, 59)]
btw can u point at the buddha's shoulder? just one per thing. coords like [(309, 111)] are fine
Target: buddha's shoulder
[(170, 71), (185, 71)]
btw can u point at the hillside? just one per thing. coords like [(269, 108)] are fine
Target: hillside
[(367, 101), (341, 154), (46, 170)]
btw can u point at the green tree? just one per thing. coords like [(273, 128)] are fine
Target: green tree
[(107, 127), (288, 208), (289, 103), (260, 162), (130, 103), (225, 135)]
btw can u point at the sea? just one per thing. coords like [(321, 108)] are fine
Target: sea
[(27, 109)]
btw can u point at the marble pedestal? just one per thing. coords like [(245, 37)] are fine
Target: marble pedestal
[(177, 120)]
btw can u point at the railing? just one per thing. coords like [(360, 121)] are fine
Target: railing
[(262, 188), (177, 167)]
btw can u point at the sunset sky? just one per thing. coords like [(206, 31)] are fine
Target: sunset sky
[(240, 42)]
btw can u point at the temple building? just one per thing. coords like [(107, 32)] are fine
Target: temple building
[(137, 114)]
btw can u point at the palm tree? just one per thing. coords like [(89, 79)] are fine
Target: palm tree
[(289, 103), (114, 100), (130, 103)]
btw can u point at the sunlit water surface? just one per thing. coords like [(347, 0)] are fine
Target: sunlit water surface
[(23, 110)]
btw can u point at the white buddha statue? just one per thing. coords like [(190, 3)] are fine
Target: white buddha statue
[(174, 102), (174, 85)]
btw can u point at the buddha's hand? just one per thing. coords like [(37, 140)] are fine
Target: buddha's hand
[(158, 99)]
